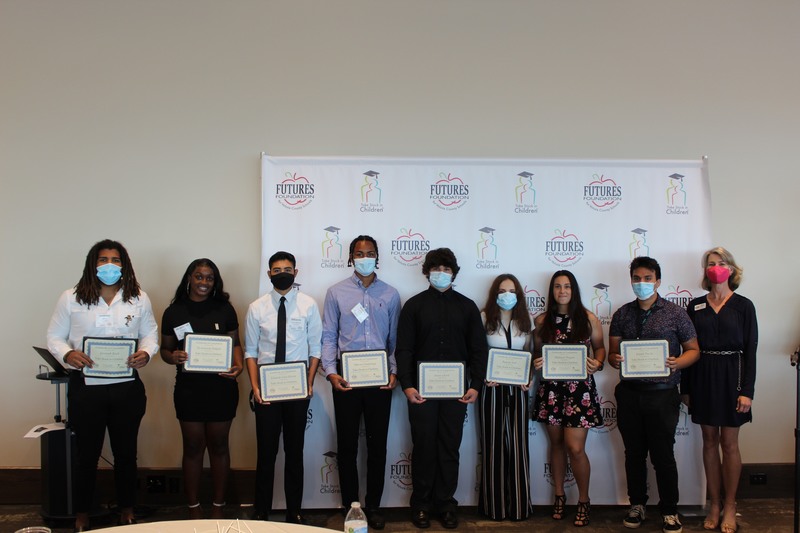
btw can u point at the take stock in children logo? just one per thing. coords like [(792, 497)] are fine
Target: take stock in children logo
[(294, 192), (332, 249), (601, 304), (486, 250), (409, 247), (676, 195), (371, 193), (638, 246), (602, 193), (329, 474), (449, 192), (400, 471), (525, 194), (565, 249)]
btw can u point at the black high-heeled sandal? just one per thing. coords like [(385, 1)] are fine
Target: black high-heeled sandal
[(582, 514), (558, 506)]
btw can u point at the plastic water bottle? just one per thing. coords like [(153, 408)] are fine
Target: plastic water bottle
[(355, 521)]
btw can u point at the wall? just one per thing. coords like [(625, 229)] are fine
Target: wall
[(144, 121)]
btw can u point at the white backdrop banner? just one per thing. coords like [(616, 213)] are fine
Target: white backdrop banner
[(526, 217)]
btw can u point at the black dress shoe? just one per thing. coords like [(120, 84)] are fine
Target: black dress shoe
[(259, 515), (449, 520), (375, 518), (421, 519), (296, 518)]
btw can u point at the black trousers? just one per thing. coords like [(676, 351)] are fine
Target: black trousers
[(436, 430), (375, 405), (289, 417), (119, 408), (647, 420)]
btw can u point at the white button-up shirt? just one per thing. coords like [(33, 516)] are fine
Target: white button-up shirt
[(303, 327), (72, 321)]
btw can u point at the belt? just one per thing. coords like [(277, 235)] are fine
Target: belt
[(638, 385)]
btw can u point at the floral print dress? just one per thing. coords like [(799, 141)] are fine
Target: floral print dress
[(571, 404)]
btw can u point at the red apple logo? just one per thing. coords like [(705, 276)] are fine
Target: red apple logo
[(562, 235), (406, 234), (445, 181), (294, 178), (603, 181)]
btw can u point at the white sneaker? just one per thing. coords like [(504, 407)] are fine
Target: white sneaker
[(635, 517)]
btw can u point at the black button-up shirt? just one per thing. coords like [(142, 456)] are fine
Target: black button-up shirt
[(440, 326)]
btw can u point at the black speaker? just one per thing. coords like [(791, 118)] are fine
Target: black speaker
[(59, 461)]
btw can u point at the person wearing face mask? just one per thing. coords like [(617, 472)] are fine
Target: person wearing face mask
[(264, 346), (648, 408), (106, 302), (719, 388), (438, 324), (505, 490), (361, 313), (569, 408)]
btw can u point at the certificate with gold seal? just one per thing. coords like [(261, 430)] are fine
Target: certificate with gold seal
[(365, 368), (441, 380), (509, 367), (564, 362), (110, 357), (208, 353), (283, 381), (644, 358)]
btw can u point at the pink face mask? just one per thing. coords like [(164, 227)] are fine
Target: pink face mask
[(718, 274)]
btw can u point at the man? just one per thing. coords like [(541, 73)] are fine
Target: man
[(297, 339), (361, 313), (438, 324), (648, 409)]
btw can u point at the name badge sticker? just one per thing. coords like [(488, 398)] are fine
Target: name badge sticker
[(359, 312), (182, 330), (699, 307), (103, 321)]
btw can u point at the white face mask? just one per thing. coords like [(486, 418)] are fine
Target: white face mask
[(365, 265), (440, 280)]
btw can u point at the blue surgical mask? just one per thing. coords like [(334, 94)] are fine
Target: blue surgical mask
[(507, 300), (440, 280), (365, 265), (109, 273), (643, 290)]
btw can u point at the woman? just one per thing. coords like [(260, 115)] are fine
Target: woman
[(503, 413), (569, 408), (205, 403), (719, 388), (106, 302)]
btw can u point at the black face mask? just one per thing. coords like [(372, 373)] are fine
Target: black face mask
[(282, 280)]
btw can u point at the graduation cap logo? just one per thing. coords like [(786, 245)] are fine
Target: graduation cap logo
[(487, 249), (601, 303), (331, 247), (524, 192), (327, 469), (370, 191), (638, 246), (676, 193)]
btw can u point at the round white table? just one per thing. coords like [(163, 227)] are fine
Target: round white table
[(216, 526)]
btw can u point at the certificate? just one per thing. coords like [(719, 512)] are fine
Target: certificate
[(366, 368), (509, 367), (283, 381), (441, 380), (564, 362), (110, 357), (644, 359), (208, 353)]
